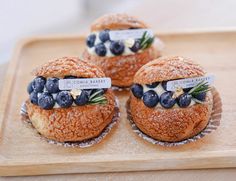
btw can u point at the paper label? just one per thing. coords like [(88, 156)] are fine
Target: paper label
[(189, 82), (127, 34), (86, 83)]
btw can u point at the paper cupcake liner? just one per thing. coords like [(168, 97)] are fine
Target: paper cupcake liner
[(80, 144), (212, 125)]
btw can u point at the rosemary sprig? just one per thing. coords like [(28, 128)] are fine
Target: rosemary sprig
[(95, 98), (95, 94), (146, 41), (199, 88)]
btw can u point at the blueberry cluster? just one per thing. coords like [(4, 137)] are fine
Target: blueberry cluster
[(115, 47), (151, 98), (45, 93)]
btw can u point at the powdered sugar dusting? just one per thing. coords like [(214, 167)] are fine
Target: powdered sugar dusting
[(168, 68), (117, 21)]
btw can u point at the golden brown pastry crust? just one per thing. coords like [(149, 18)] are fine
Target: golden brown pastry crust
[(173, 124), (75, 123), (72, 124), (117, 21), (68, 66), (177, 123), (121, 69), (168, 68)]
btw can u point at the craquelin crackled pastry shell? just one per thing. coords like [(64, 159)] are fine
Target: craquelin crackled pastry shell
[(173, 124), (117, 21), (74, 123)]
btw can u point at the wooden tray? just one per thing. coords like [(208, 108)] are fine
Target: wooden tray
[(22, 153)]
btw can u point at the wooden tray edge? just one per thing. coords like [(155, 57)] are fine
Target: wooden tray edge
[(113, 163), (211, 30)]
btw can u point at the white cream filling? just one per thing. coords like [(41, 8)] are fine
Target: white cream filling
[(159, 90), (54, 95), (91, 50)]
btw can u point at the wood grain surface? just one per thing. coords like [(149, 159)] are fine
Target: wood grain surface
[(23, 153)]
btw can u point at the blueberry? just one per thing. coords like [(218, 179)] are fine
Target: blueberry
[(184, 100), (91, 91), (117, 47), (38, 84), (82, 99), (104, 35), (163, 84), (137, 90), (150, 98), (166, 99), (30, 88), (200, 96), (91, 40), (64, 99), (52, 85), (152, 85), (136, 47), (46, 101), (70, 77), (34, 98), (100, 49)]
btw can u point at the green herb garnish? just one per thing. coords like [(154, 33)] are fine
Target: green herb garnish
[(146, 41), (95, 98), (199, 88)]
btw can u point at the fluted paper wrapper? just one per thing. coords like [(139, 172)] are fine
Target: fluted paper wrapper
[(81, 144), (213, 124)]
